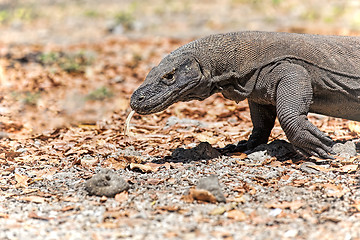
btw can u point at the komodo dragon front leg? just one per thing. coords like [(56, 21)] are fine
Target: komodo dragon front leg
[(263, 119), (293, 96)]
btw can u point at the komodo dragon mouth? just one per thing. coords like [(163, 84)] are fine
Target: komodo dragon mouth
[(150, 99), (153, 98)]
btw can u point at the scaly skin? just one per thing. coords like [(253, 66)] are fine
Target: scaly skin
[(283, 75)]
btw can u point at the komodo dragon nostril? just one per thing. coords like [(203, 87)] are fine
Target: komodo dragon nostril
[(141, 98)]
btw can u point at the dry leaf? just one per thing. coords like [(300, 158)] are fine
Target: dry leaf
[(300, 182), (28, 190), (4, 215), (68, 208), (222, 235), (348, 168), (117, 164), (3, 78), (70, 199), (187, 198), (333, 190), (154, 181), (269, 161), (202, 195), (170, 235), (322, 209), (88, 126), (76, 151), (88, 162), (241, 156), (238, 199), (122, 197), (22, 180), (34, 215), (107, 225), (237, 215), (244, 188), (295, 205), (354, 127), (218, 211), (35, 199), (285, 177), (132, 159), (330, 219), (206, 137), (276, 164), (169, 208), (146, 168), (348, 161), (317, 167)]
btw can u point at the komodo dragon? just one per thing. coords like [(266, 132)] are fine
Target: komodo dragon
[(281, 74)]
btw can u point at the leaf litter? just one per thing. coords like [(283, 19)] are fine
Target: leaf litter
[(62, 123)]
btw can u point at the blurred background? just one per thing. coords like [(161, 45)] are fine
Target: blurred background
[(70, 62), (71, 21)]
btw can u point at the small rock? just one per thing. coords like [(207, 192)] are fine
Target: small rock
[(3, 135), (106, 183), (116, 29), (21, 150), (184, 121), (292, 233), (273, 173), (129, 151), (275, 212), (201, 152), (346, 150), (259, 156), (88, 160), (103, 199), (117, 79), (211, 184)]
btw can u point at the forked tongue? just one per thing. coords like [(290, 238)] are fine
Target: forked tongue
[(127, 123)]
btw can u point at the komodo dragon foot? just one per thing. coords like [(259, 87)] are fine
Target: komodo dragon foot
[(232, 148)]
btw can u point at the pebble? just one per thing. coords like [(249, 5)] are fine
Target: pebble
[(106, 183), (211, 184)]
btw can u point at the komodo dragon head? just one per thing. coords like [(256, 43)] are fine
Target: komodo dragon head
[(178, 77)]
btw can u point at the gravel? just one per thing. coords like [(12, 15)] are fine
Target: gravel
[(156, 209)]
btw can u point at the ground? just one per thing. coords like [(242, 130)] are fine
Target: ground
[(67, 71)]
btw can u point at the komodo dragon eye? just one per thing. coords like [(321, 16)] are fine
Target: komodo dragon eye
[(169, 78)]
